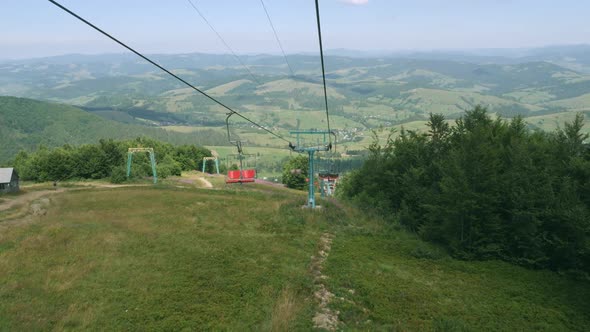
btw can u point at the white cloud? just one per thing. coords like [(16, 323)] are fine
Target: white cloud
[(355, 2)]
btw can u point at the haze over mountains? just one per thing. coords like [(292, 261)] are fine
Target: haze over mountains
[(365, 90), (566, 55), (559, 54)]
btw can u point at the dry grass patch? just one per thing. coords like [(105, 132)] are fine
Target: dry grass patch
[(285, 310)]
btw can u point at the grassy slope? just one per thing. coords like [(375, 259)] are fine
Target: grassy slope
[(105, 259), (223, 89), (450, 102), (289, 86), (554, 121), (393, 289), (580, 103), (239, 258)]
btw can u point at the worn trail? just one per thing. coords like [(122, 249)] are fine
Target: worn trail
[(324, 318), (27, 198)]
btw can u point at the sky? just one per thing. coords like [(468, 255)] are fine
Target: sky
[(37, 28)]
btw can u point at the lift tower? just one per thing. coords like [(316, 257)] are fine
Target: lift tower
[(321, 143)]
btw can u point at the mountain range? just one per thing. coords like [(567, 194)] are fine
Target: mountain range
[(366, 90)]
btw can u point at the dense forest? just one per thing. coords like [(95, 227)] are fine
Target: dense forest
[(107, 159), (25, 124), (485, 188)]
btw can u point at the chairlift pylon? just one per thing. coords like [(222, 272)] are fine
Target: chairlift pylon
[(311, 149)]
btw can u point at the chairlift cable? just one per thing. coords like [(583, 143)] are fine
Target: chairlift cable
[(167, 71), (277, 38), (223, 41), (317, 10)]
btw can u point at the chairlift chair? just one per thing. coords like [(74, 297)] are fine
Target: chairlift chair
[(245, 173), (328, 175), (247, 168)]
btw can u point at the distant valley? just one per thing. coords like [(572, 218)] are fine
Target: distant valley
[(546, 86)]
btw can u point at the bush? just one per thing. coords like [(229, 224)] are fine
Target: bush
[(118, 174), (103, 159), (295, 172)]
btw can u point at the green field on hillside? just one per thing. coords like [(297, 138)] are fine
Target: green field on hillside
[(209, 259), (551, 122), (166, 258), (390, 280)]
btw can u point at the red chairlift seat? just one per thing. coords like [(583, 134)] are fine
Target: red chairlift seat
[(329, 176), (247, 175)]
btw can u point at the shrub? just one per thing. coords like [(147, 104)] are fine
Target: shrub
[(118, 174)]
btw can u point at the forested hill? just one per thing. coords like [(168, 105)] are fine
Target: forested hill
[(486, 188), (27, 123)]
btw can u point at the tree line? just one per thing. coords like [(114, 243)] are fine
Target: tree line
[(107, 159), (485, 188)]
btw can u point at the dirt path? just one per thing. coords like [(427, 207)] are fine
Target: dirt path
[(270, 183), (205, 182), (324, 318), (35, 195), (90, 185), (27, 198), (193, 177), (192, 181)]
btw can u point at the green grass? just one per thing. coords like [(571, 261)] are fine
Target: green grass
[(289, 86), (530, 96), (390, 280), (159, 259), (223, 89), (163, 258)]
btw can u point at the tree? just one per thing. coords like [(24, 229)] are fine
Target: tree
[(485, 188), (438, 127), (295, 172), (106, 159)]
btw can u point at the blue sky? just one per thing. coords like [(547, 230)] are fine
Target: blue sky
[(32, 28)]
